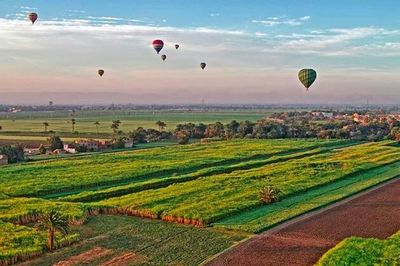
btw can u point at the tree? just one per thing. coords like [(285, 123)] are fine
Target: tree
[(115, 125), (42, 149), (182, 137), (161, 125), (55, 143), (46, 125), (15, 154), (73, 122), (269, 194), (97, 124), (1, 128), (53, 222)]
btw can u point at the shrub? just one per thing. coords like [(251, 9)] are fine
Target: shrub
[(269, 194)]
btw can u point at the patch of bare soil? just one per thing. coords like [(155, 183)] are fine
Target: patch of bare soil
[(375, 214), (126, 258), (85, 258)]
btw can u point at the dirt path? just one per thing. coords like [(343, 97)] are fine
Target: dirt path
[(304, 240)]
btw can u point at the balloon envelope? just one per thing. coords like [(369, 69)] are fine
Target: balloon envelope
[(163, 57), (32, 17), (176, 46), (203, 65), (100, 72), (307, 77), (158, 45)]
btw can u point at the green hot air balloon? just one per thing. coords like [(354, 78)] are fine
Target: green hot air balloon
[(307, 77)]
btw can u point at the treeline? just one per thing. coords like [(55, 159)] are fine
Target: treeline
[(294, 127)]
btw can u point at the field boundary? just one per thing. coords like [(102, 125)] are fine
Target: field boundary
[(309, 215)]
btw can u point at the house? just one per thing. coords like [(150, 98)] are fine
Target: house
[(128, 143), (90, 144), (3, 159), (70, 148)]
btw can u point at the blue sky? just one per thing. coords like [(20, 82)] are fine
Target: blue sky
[(253, 50)]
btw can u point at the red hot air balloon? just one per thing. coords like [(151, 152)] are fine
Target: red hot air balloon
[(32, 17), (100, 72), (158, 45)]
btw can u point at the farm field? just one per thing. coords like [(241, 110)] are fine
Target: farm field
[(213, 185), (211, 198), (136, 241), (364, 251), (108, 169), (31, 123)]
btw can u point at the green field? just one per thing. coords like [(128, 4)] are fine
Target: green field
[(151, 242), (28, 123), (361, 251), (215, 185)]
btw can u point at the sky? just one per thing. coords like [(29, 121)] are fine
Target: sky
[(253, 50)]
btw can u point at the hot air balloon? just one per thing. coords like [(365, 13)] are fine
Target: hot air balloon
[(307, 77), (100, 72), (163, 57), (176, 46), (158, 45), (203, 65), (32, 17)]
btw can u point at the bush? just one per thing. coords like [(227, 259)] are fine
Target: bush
[(269, 194)]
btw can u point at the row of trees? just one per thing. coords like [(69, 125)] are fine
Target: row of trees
[(270, 129)]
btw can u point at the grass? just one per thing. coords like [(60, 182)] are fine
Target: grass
[(109, 169), (361, 251), (215, 197), (19, 243), (259, 219), (32, 122), (24, 210), (216, 184), (153, 242)]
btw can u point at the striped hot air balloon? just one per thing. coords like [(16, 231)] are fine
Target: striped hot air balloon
[(307, 77), (158, 45)]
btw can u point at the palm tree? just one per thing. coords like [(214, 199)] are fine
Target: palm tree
[(115, 125), (161, 125), (97, 124), (73, 122), (269, 194), (45, 124), (53, 221)]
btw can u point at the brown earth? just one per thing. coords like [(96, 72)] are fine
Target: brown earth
[(86, 257), (126, 258), (374, 214)]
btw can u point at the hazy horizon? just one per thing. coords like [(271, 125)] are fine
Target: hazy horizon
[(253, 52)]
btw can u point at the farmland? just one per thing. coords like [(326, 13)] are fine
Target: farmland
[(213, 185), (361, 251), (29, 125)]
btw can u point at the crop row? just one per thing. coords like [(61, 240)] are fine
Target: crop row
[(73, 174), (211, 198), (153, 183)]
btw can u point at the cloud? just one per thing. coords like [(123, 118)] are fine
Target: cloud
[(214, 14), (283, 20), (335, 42), (28, 8)]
